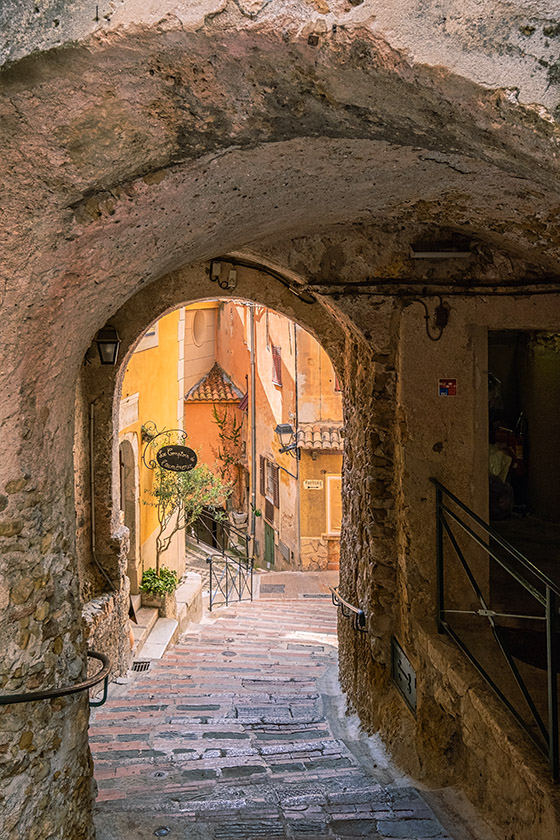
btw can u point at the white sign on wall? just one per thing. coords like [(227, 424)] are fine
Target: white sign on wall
[(313, 484)]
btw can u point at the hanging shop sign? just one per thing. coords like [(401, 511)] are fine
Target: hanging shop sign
[(447, 387), (313, 484), (174, 457)]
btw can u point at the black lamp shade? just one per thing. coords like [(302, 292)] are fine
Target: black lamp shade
[(108, 341), (285, 432)]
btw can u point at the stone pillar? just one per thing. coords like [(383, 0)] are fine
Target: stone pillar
[(105, 561), (45, 764), (368, 565)]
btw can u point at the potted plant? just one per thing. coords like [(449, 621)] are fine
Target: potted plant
[(158, 590)]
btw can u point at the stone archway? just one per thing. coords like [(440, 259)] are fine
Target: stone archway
[(187, 284), (145, 149)]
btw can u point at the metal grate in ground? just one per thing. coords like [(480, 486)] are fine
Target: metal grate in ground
[(141, 665)]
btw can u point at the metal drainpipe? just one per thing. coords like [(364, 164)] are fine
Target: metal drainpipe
[(92, 495), (253, 426), (298, 488)]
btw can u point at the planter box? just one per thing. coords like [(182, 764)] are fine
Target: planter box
[(166, 604)]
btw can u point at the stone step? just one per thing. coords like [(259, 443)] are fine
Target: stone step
[(164, 633), (146, 617), (136, 602), (189, 600)]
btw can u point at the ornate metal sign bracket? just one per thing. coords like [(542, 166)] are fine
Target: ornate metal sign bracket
[(175, 457)]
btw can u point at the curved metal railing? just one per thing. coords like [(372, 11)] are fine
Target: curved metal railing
[(357, 615), (50, 694)]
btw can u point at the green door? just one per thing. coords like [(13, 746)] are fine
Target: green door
[(268, 544)]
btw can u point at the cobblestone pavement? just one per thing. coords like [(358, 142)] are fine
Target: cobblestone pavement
[(236, 733)]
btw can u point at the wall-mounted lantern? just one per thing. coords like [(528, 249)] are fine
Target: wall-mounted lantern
[(108, 342), (287, 439)]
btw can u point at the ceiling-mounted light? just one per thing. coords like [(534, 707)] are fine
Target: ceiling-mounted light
[(108, 341)]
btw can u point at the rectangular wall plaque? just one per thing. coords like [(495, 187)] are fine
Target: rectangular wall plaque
[(313, 484), (404, 675)]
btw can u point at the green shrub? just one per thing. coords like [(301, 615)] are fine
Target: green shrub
[(159, 584)]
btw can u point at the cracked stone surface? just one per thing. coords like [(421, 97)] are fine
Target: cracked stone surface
[(238, 732)]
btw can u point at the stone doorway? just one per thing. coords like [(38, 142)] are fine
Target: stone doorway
[(129, 506)]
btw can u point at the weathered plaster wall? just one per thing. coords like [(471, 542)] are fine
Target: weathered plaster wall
[(200, 355)]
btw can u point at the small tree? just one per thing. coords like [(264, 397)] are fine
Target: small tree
[(180, 498), (228, 454)]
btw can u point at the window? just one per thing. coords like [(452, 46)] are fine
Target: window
[(276, 364), (269, 481), (334, 504)]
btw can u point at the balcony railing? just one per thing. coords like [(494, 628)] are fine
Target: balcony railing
[(509, 628)]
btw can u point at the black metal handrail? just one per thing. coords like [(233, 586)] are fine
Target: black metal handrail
[(357, 615), (50, 694), (548, 742), (230, 579), (227, 528)]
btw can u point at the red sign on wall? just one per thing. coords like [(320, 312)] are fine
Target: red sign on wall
[(447, 388)]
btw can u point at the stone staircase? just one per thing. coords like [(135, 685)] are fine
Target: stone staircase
[(241, 733)]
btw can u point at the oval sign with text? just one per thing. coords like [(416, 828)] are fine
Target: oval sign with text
[(176, 458)]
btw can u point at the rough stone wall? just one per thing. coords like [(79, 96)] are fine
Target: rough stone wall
[(106, 616), (465, 736), (45, 767)]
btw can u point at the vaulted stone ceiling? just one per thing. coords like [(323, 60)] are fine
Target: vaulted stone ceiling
[(159, 139)]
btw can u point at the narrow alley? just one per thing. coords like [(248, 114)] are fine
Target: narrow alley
[(240, 732)]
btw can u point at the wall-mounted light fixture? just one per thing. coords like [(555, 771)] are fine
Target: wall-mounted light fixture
[(229, 281), (440, 250), (287, 439), (108, 342)]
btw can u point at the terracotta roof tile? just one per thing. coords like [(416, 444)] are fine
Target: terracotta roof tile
[(215, 386), (320, 436)]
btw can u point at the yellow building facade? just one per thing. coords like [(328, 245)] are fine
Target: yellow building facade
[(151, 401)]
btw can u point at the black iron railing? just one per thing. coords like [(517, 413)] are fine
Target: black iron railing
[(348, 610), (230, 580), (222, 535), (50, 694), (534, 599)]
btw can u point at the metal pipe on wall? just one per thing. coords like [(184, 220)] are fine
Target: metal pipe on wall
[(253, 425)]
